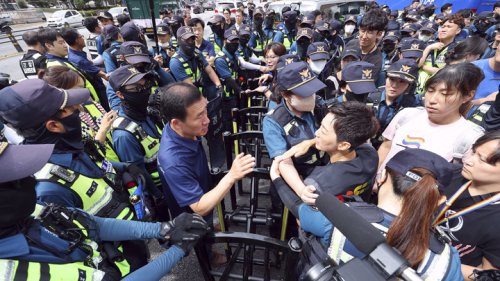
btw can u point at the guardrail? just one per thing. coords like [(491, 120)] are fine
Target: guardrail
[(9, 36)]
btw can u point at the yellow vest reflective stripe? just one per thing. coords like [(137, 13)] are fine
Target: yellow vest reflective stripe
[(98, 198), (96, 114), (185, 65), (217, 48), (423, 76), (88, 85), (286, 42), (23, 270)]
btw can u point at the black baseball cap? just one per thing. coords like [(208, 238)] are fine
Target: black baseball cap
[(304, 32), (393, 35), (409, 27), (30, 103), (352, 18), (406, 69), (185, 32), (286, 60), (394, 13), (125, 75), (359, 77), (162, 29), (20, 161), (410, 158), (109, 31), (353, 52), (298, 78), (393, 25), (335, 25), (412, 48), (135, 52), (216, 19), (322, 25), (318, 51), (245, 29), (104, 15), (430, 27), (307, 19), (231, 34)]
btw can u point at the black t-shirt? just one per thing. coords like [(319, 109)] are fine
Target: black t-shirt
[(348, 177), (374, 57), (476, 234)]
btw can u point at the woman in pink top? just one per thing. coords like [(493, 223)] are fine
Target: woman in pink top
[(439, 126)]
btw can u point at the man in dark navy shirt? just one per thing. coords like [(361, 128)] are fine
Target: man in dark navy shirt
[(182, 160)]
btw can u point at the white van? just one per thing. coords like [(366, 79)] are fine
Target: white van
[(333, 9)]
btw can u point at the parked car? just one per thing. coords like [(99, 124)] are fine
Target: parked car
[(65, 18), (115, 11), (231, 5), (209, 5), (332, 8)]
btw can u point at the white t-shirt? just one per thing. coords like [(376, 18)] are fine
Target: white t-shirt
[(411, 128)]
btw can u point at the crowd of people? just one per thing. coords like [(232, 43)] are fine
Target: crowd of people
[(396, 113)]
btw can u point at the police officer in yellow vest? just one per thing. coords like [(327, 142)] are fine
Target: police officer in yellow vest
[(57, 50), (218, 24), (43, 114), (49, 242)]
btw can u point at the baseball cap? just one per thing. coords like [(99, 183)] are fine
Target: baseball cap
[(322, 25), (393, 25), (406, 69), (162, 29), (413, 15), (298, 78), (318, 51), (286, 60), (135, 52), (359, 77), (351, 18), (130, 31), (20, 161), (231, 34), (258, 11), (440, 16), (304, 32), (125, 75), (411, 158), (105, 15), (409, 27), (307, 19), (393, 35), (356, 53), (335, 25), (270, 12), (394, 13), (245, 29), (29, 103), (412, 48), (109, 31), (216, 19), (430, 27), (185, 32)]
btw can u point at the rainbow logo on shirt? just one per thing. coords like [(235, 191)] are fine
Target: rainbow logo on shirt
[(413, 142)]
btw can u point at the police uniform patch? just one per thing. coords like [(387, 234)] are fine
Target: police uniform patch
[(28, 66)]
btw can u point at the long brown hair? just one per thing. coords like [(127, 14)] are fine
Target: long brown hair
[(410, 230), (62, 77)]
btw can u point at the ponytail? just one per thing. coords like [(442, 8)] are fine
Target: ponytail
[(409, 232)]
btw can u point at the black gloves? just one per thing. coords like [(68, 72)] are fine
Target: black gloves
[(184, 231)]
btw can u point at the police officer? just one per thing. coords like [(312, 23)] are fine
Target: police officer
[(317, 58), (95, 40), (359, 78), (307, 21), (227, 68), (218, 24), (174, 23), (105, 18), (304, 38), (390, 53), (188, 65), (43, 114), (34, 61), (288, 28), (292, 121), (49, 242), (165, 51), (57, 50), (397, 94), (350, 28), (112, 55)]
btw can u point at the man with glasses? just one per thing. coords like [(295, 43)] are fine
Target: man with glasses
[(78, 57)]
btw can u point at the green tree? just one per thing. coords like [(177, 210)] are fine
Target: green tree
[(80, 4), (22, 4)]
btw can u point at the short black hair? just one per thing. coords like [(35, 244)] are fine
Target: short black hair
[(175, 98), (355, 123), (374, 19), (122, 19), (194, 21), (48, 36), (31, 38), (91, 24), (70, 35), (496, 5), (445, 7), (493, 158), (466, 13)]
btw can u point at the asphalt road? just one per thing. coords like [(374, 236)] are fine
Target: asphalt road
[(9, 57)]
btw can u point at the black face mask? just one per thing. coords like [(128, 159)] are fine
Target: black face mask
[(482, 26), (135, 104), (318, 37), (290, 23), (143, 67), (257, 22), (232, 47), (302, 48), (17, 203), (350, 96), (174, 28), (269, 22), (69, 141), (187, 48), (244, 41), (388, 47), (217, 29)]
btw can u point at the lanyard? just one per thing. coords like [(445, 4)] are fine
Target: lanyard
[(467, 210)]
